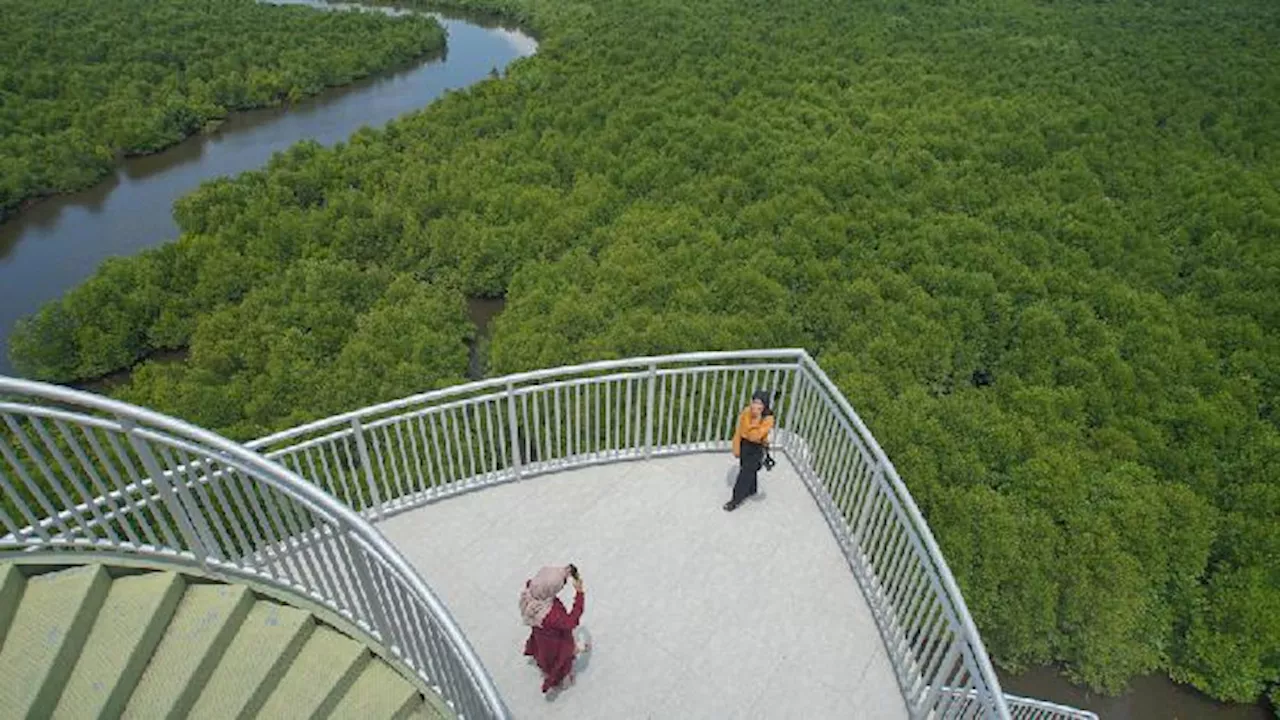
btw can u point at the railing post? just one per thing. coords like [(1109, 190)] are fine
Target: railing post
[(357, 429), (788, 423), (649, 410), (371, 594), (516, 462), (195, 540)]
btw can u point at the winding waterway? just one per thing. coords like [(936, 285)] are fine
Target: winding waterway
[(56, 244)]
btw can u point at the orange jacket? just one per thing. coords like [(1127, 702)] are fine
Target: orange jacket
[(755, 430)]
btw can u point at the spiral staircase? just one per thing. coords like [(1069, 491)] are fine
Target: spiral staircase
[(102, 641), (149, 568)]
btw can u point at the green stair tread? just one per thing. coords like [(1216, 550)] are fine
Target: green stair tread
[(262, 651), (50, 625), (204, 623), (128, 628), (379, 692), (319, 676), (12, 583)]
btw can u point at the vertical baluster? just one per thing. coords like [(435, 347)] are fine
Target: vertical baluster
[(594, 409), (557, 426), (86, 467), (192, 540), (253, 554), (608, 418), (203, 513), (406, 489), (458, 449), (371, 482), (385, 454), (629, 440), (444, 448), (528, 445), (32, 518), (241, 546), (431, 454), (130, 516), (650, 408), (33, 488), (544, 409), (516, 463), (494, 446), (413, 430)]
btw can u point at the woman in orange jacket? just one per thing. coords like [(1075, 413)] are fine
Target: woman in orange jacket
[(750, 440)]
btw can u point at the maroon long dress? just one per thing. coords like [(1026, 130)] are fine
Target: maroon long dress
[(551, 644)]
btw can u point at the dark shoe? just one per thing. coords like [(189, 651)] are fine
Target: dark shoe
[(730, 506)]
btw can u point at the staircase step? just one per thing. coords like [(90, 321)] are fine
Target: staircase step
[(45, 636), (12, 584), (202, 627), (379, 692), (127, 630), (327, 665), (268, 641)]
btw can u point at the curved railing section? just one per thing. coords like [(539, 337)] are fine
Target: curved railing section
[(399, 455), (85, 475)]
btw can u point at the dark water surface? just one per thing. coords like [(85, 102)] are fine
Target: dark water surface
[(58, 243), (1151, 697)]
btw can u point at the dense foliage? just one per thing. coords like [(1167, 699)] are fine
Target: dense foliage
[(82, 81), (1033, 241)]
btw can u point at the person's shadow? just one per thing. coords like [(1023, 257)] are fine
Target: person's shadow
[(731, 477), (581, 636), (583, 661)]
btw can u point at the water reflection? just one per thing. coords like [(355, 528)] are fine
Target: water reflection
[(1151, 697)]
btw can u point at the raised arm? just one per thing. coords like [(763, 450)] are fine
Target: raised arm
[(566, 620)]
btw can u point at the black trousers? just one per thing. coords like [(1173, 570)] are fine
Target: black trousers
[(748, 470)]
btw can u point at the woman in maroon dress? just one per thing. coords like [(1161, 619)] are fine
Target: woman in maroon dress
[(551, 642)]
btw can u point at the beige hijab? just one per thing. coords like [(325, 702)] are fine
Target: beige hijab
[(538, 594)]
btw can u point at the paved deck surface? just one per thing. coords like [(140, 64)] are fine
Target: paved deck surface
[(694, 612)]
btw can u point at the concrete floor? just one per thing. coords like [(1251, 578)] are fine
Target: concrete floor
[(694, 612)]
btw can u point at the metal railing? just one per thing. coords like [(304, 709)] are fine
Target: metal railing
[(85, 476), (400, 455)]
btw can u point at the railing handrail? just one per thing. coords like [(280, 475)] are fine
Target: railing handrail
[(918, 524), (521, 378), (285, 481)]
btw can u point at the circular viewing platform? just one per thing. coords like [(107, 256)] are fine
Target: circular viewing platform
[(826, 596), (693, 612)]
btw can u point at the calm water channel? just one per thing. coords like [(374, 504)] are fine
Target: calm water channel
[(56, 244), (1151, 697)]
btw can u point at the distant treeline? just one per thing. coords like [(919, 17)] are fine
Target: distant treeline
[(83, 81), (1033, 242)]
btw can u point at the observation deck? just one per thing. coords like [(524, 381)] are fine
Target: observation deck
[(412, 525), (694, 612)]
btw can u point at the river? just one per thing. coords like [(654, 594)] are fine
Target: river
[(56, 244), (1150, 697)]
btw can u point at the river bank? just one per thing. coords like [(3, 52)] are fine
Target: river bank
[(59, 242)]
